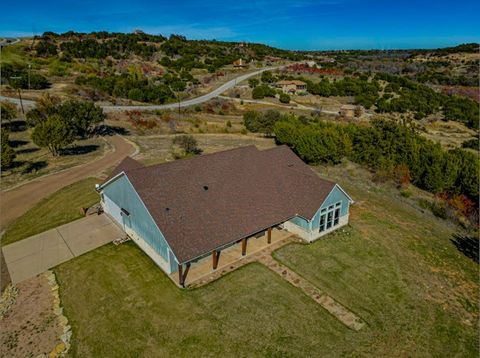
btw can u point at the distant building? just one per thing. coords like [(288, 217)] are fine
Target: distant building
[(291, 86), (239, 63)]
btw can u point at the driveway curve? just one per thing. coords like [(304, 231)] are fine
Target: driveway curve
[(16, 201)]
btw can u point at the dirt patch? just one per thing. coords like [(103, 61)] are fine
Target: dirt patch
[(30, 327)]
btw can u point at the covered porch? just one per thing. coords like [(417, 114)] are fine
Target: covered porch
[(229, 258)]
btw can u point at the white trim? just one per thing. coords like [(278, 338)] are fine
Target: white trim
[(111, 180), (344, 192)]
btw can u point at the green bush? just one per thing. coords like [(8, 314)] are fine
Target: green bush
[(284, 98)]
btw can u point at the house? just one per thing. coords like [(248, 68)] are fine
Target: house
[(291, 86), (239, 63), (185, 211)]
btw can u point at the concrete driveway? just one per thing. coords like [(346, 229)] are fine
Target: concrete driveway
[(36, 254)]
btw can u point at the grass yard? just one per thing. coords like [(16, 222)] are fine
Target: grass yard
[(156, 149), (121, 305), (57, 209), (394, 266)]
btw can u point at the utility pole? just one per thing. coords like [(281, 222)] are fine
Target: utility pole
[(19, 94), (29, 68)]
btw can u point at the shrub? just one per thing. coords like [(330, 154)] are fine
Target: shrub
[(284, 98), (7, 154), (188, 144)]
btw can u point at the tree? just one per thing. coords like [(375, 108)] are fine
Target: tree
[(55, 133), (267, 77), (253, 82), (81, 115), (258, 93), (188, 144), (284, 98), (8, 154), (8, 111), (261, 122)]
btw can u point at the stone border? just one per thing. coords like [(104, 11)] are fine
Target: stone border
[(8, 299), (62, 348)]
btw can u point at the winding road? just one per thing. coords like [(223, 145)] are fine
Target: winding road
[(16, 201), (189, 102)]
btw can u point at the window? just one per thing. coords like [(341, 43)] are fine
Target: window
[(330, 217), (322, 223), (336, 216)]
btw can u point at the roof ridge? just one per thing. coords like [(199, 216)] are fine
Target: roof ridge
[(202, 156)]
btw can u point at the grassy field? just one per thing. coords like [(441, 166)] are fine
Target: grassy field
[(394, 266), (157, 148), (57, 209)]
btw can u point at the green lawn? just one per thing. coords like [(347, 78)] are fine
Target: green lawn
[(394, 266), (59, 208)]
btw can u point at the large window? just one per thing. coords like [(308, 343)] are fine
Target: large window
[(329, 217)]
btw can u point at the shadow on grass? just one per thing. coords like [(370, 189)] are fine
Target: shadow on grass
[(80, 149), (15, 126), (34, 166), (17, 143), (467, 245), (27, 150)]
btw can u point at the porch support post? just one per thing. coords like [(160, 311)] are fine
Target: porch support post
[(180, 275), (186, 273), (215, 257), (269, 235), (244, 246)]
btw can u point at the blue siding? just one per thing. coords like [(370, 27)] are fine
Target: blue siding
[(122, 193), (335, 196)]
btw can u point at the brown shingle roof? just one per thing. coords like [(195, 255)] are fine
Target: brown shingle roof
[(205, 202), (126, 164)]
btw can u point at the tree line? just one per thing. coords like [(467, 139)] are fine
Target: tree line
[(384, 145)]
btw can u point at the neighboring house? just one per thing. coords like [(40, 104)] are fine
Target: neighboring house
[(182, 211), (239, 63), (291, 86)]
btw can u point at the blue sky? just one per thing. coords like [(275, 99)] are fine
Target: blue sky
[(303, 24)]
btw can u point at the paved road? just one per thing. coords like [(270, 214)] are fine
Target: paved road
[(16, 201), (190, 102), (194, 101), (36, 254)]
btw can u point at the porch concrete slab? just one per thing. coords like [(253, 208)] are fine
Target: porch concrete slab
[(36, 254)]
